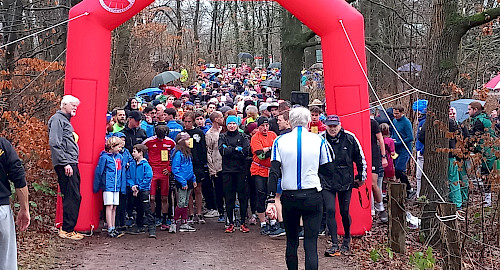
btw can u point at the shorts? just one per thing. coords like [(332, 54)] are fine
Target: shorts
[(111, 198), (159, 181), (376, 165), (279, 190)]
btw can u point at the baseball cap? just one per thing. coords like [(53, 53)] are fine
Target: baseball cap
[(273, 105), (332, 120), (136, 115), (263, 107), (262, 120)]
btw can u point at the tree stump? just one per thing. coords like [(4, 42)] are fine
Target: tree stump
[(397, 217)]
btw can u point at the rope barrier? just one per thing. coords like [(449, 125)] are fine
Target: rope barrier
[(385, 112), (43, 30)]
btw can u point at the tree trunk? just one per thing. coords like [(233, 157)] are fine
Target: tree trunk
[(196, 34), (119, 86)]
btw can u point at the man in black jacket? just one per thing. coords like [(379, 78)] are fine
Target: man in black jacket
[(134, 134), (11, 169), (347, 151)]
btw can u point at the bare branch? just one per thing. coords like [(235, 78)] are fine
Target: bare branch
[(393, 47), (480, 18), (47, 8)]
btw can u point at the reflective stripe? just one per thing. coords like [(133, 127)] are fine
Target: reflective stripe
[(299, 157), (275, 147)]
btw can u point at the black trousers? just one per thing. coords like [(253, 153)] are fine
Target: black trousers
[(261, 192), (216, 184), (308, 204), (208, 191), (71, 198), (401, 175), (344, 202), (252, 193), (235, 183), (144, 214), (121, 211)]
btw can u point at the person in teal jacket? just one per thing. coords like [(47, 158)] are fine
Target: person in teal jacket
[(182, 169)]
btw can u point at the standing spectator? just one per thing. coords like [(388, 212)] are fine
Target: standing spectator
[(199, 157), (261, 144), (182, 169), (147, 124), (64, 152), (481, 125), (379, 161), (214, 162), (405, 130), (121, 119), (420, 106), (133, 132), (11, 169), (273, 114), (346, 149), (132, 105), (297, 156), (390, 151), (234, 148), (316, 126), (173, 126), (160, 146), (109, 175), (160, 115), (200, 121)]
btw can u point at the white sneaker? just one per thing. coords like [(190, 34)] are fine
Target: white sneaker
[(212, 213), (186, 228), (173, 228)]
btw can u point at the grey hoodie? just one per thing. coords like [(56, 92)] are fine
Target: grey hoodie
[(63, 147)]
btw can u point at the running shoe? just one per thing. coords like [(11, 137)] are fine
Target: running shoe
[(190, 220), (244, 228), (152, 233), (201, 219), (136, 230), (265, 230), (252, 220), (345, 250), (118, 233), (186, 228), (278, 232), (164, 227), (70, 235), (173, 228), (129, 222), (322, 232), (158, 222), (112, 234), (221, 219), (382, 215), (333, 251), (230, 229), (301, 235), (169, 222), (212, 213)]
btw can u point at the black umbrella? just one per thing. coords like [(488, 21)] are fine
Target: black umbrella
[(165, 77), (274, 65), (317, 66), (245, 55), (273, 83)]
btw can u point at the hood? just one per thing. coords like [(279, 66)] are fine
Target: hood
[(67, 115)]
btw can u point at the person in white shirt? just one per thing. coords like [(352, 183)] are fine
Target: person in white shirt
[(296, 158)]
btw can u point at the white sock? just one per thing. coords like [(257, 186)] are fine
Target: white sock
[(380, 206), (262, 224), (272, 222)]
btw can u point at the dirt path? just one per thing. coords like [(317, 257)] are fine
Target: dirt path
[(208, 248)]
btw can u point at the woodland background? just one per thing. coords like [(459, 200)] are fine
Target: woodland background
[(455, 41)]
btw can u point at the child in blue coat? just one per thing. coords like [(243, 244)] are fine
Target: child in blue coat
[(182, 169), (108, 178), (140, 175)]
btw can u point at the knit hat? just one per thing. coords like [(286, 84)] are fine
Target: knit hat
[(233, 119), (250, 127), (182, 136), (420, 106)]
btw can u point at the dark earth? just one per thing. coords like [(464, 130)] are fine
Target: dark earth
[(208, 248)]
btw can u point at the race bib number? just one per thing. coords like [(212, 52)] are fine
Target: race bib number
[(164, 155), (314, 129), (190, 141)]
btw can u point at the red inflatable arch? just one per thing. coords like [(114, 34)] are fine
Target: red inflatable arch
[(87, 77)]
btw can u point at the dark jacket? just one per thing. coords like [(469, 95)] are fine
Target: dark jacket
[(133, 136), (232, 159), (11, 169), (348, 151), (63, 147), (199, 151)]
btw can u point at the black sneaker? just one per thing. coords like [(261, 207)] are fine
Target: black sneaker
[(333, 251), (152, 233), (345, 250), (265, 230), (119, 234), (136, 230), (382, 215)]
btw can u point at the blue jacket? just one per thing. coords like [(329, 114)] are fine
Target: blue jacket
[(182, 168), (109, 172), (419, 146), (126, 162), (149, 128), (175, 128), (140, 174), (403, 126)]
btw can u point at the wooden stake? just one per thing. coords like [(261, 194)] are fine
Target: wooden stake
[(397, 217), (449, 236)]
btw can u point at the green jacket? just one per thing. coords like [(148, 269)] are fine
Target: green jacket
[(481, 125)]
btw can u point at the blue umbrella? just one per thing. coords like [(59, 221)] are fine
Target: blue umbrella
[(462, 106), (149, 91), (410, 67), (212, 70)]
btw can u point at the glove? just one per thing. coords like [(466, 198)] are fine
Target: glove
[(224, 146), (358, 181), (239, 148)]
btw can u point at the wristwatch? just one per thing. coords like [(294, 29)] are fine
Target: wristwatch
[(384, 156)]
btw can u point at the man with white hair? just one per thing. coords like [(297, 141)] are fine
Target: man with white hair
[(296, 158), (64, 150)]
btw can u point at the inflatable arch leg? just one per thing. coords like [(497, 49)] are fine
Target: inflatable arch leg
[(87, 77)]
